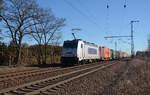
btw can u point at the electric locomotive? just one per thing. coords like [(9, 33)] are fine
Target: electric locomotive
[(79, 52)]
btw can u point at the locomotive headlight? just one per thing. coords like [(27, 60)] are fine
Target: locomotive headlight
[(75, 55)]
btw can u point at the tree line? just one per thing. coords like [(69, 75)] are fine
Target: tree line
[(25, 19), (29, 54)]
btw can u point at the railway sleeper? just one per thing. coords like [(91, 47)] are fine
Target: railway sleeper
[(43, 93)]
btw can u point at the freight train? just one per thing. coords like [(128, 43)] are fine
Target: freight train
[(80, 52)]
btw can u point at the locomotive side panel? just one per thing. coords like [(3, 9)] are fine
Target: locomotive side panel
[(90, 51)]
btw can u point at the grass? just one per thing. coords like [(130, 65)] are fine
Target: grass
[(6, 69)]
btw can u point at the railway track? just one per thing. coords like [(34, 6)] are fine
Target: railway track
[(14, 79), (47, 86), (5, 78)]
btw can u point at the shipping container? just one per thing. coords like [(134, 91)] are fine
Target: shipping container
[(117, 54), (112, 54), (123, 54), (104, 53)]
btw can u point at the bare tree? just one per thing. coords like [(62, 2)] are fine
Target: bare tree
[(57, 39), (45, 32), (1, 2), (49, 30), (18, 16), (37, 34), (0, 35)]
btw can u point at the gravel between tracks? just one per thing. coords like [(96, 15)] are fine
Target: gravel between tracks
[(131, 78)]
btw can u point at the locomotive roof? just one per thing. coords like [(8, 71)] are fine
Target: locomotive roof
[(83, 41)]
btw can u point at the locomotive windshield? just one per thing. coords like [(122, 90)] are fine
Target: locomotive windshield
[(70, 44)]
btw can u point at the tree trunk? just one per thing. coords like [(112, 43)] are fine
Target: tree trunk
[(39, 59), (40, 55), (19, 50), (45, 54), (18, 56)]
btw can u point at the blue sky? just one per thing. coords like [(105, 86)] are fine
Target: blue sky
[(96, 21)]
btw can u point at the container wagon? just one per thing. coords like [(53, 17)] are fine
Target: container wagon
[(104, 53), (112, 54), (117, 54)]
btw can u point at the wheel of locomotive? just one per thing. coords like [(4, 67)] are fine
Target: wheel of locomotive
[(83, 62), (79, 62)]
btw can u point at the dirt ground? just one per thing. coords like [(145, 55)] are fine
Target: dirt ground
[(6, 69)]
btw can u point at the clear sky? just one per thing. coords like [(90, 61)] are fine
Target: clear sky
[(98, 21)]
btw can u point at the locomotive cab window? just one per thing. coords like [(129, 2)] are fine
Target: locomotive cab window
[(72, 44), (81, 45)]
